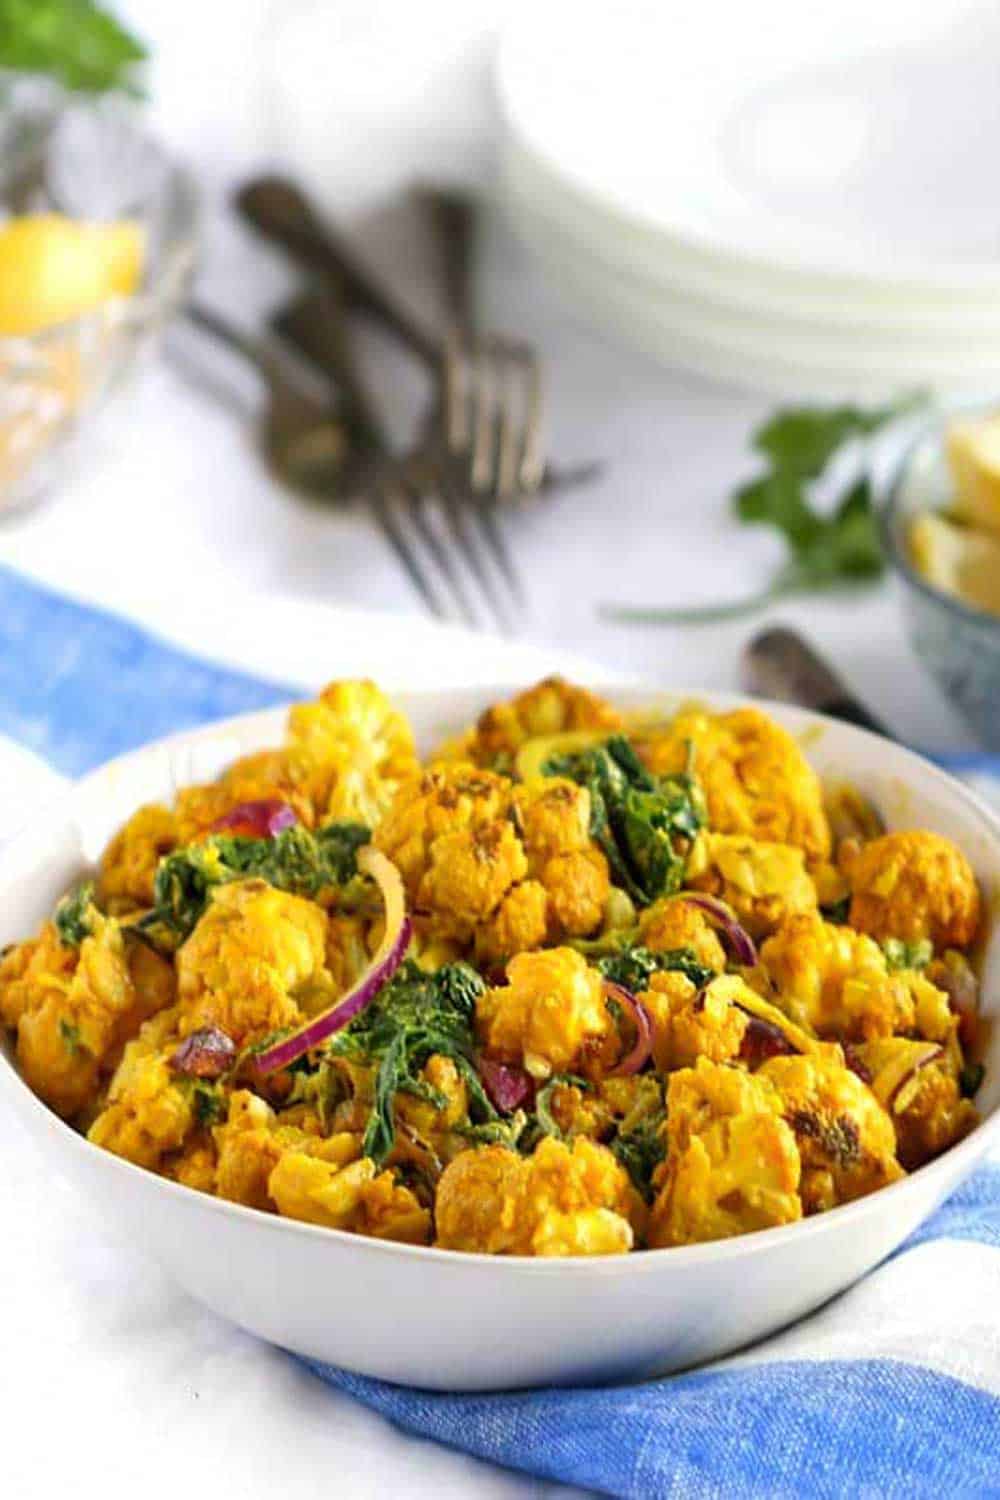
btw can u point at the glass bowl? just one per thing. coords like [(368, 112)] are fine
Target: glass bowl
[(960, 645), (89, 159)]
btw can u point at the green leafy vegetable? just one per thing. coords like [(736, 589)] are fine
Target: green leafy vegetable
[(70, 1034), (641, 1150), (296, 861), (837, 912), (73, 915), (209, 1103), (645, 824), (634, 966), (415, 1015), (545, 1121), (900, 955), (826, 549), (76, 41), (970, 1078)]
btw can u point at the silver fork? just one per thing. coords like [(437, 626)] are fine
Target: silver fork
[(436, 485)]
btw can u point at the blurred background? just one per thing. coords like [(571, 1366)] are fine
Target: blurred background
[(628, 332)]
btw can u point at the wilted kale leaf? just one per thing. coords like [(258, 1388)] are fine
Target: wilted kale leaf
[(295, 860), (643, 823), (72, 915), (634, 965)]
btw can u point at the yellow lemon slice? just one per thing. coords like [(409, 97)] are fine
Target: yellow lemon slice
[(53, 269), (958, 561), (973, 449)]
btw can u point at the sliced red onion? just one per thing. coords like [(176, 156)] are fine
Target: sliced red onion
[(854, 1064), (642, 1021), (391, 951), (207, 1053), (741, 945), (263, 819), (507, 1086), (763, 1039), (931, 1055), (962, 988)]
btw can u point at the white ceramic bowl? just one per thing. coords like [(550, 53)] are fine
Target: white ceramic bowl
[(454, 1321)]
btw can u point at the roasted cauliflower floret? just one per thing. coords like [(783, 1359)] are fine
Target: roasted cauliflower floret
[(689, 1024), (835, 980), (757, 781), (563, 1200), (672, 923), (128, 865), (31, 971), (915, 885), (254, 963), (150, 1111), (434, 803), (547, 1014), (349, 751), (470, 873), (352, 1196), (732, 1162), (551, 707), (846, 1140), (519, 924), (918, 1086), (763, 883), (79, 1008)]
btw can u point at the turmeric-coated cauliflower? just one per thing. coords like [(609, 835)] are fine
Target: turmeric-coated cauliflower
[(349, 751), (915, 885), (756, 780), (254, 963), (128, 865), (846, 1140), (763, 883), (150, 1111), (562, 1200), (732, 1162), (550, 1011), (552, 707), (351, 1196), (672, 924)]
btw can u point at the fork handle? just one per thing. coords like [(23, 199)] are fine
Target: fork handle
[(282, 212)]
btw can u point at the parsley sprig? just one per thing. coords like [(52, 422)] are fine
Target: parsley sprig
[(826, 549), (76, 41)]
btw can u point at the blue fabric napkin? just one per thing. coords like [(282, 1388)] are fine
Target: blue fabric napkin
[(892, 1390)]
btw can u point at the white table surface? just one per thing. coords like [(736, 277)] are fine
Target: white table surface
[(113, 1382)]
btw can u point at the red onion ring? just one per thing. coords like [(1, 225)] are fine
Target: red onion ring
[(741, 945), (932, 1055), (263, 819), (391, 951), (641, 1019), (507, 1086), (962, 989)]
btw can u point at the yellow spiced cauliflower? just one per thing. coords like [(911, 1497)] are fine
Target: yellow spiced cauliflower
[(582, 982)]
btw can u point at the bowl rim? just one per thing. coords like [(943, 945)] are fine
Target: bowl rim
[(932, 425), (963, 1155), (179, 256)]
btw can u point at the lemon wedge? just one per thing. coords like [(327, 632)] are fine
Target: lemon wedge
[(958, 561), (973, 449), (53, 269)]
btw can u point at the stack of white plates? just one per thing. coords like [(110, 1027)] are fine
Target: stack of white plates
[(799, 198)]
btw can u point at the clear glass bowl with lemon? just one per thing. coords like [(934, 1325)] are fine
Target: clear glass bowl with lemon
[(941, 525), (98, 236)]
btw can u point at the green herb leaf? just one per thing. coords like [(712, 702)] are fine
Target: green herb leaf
[(70, 1034), (634, 966), (74, 915), (824, 550), (641, 1150), (76, 41), (296, 861), (801, 440), (644, 824)]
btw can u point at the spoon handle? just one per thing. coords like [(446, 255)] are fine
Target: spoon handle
[(778, 663), (282, 212)]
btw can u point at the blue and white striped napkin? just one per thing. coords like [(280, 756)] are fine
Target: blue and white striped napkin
[(891, 1390)]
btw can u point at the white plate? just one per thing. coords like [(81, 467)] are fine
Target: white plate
[(851, 140), (447, 1320)]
